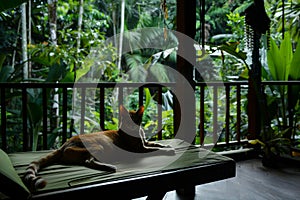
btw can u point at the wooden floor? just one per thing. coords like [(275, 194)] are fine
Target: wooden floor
[(252, 182)]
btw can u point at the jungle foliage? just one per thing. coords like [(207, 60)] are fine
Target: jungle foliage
[(82, 28)]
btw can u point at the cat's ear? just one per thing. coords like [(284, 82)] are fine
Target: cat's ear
[(140, 111), (123, 110)]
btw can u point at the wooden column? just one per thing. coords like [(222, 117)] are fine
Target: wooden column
[(254, 92), (257, 18), (185, 109)]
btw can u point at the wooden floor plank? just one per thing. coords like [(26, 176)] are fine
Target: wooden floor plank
[(252, 181)]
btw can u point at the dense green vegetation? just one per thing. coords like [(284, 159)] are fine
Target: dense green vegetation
[(62, 38)]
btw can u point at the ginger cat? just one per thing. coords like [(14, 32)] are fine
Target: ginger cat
[(80, 149)]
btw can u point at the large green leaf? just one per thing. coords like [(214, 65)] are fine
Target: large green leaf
[(295, 64), (5, 73), (286, 52), (274, 60), (295, 75), (55, 73), (159, 71), (147, 97), (11, 183), (232, 49), (138, 73), (279, 58)]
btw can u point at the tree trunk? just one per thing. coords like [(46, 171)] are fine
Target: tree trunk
[(24, 42), (114, 25), (29, 38), (52, 7), (121, 33), (13, 61), (80, 16)]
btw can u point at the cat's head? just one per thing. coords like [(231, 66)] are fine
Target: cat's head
[(131, 120)]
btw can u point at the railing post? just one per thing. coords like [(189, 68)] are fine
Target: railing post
[(254, 92), (257, 19)]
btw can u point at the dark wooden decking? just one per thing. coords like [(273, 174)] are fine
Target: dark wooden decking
[(252, 182)]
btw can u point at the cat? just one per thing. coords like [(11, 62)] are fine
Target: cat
[(80, 149)]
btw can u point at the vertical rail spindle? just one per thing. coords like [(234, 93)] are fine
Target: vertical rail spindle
[(215, 114), (3, 120), (82, 114), (64, 114), (227, 117), (45, 121), (24, 117), (102, 113), (120, 100), (202, 116), (159, 112), (238, 113)]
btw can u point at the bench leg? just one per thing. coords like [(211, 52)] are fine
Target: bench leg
[(156, 196), (188, 191)]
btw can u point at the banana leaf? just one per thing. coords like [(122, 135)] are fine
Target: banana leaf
[(279, 58)]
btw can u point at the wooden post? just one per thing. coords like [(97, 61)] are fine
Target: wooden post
[(257, 18), (254, 92), (184, 111)]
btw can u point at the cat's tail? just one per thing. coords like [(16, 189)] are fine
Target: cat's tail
[(34, 182)]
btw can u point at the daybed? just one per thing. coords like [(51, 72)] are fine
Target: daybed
[(150, 176)]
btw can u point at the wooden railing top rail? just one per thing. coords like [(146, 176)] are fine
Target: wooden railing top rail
[(131, 84)]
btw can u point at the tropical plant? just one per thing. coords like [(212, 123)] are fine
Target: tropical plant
[(292, 19), (276, 136), (273, 144), (283, 65)]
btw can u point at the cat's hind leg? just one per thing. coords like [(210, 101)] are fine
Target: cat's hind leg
[(94, 164), (152, 146), (159, 150)]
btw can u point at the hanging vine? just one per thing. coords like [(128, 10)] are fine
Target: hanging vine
[(256, 21)]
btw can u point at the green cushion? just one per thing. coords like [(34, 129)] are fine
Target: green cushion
[(10, 183), (60, 177)]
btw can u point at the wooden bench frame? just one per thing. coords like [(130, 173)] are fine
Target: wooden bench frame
[(154, 185)]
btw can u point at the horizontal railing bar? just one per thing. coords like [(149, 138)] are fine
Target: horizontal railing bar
[(133, 84), (280, 83), (83, 85), (234, 83)]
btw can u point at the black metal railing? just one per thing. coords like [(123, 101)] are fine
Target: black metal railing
[(224, 99)]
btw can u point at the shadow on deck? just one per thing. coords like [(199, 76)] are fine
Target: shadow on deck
[(252, 181)]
